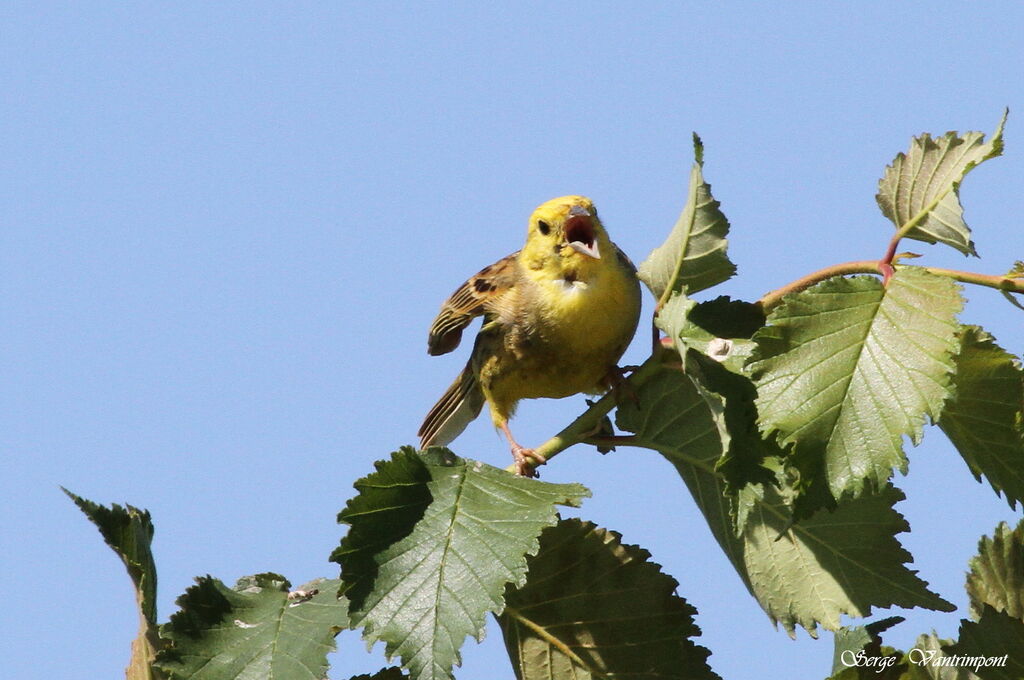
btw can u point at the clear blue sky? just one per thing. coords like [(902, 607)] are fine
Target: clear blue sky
[(226, 228)]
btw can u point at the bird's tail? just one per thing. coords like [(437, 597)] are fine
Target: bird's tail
[(457, 408)]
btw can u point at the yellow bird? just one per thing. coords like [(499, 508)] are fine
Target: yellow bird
[(558, 314)]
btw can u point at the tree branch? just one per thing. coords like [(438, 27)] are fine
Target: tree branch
[(588, 423), (771, 300), (584, 428)]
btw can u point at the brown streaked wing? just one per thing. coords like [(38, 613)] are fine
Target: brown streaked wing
[(476, 296), (458, 407)]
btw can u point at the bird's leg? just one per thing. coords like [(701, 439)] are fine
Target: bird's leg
[(527, 460)]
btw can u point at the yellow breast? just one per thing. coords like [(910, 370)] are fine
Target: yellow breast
[(590, 317), (569, 334)]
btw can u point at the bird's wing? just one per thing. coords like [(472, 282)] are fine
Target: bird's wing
[(624, 260), (484, 293), (458, 407)]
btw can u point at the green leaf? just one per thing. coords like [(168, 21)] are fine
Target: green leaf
[(595, 608), (390, 673), (712, 339), (995, 585), (720, 328), (845, 561), (809, 573), (255, 630), (672, 416), (433, 541), (928, 660), (724, 317), (993, 647), (1016, 272), (983, 418), (920, 191), (749, 463), (859, 655), (693, 256), (129, 532), (996, 578), (848, 367), (858, 652), (852, 639)]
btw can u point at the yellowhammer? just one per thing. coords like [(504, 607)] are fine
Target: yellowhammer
[(558, 314)]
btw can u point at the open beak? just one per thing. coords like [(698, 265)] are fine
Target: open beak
[(580, 234)]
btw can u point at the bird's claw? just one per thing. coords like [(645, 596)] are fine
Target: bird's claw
[(527, 461)]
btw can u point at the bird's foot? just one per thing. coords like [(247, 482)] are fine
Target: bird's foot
[(527, 461)]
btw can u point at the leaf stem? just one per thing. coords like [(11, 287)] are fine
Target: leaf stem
[(612, 440), (1013, 284), (885, 264), (890, 252)]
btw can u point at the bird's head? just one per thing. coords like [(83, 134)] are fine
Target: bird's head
[(566, 233)]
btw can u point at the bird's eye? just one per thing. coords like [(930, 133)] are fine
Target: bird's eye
[(543, 227)]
